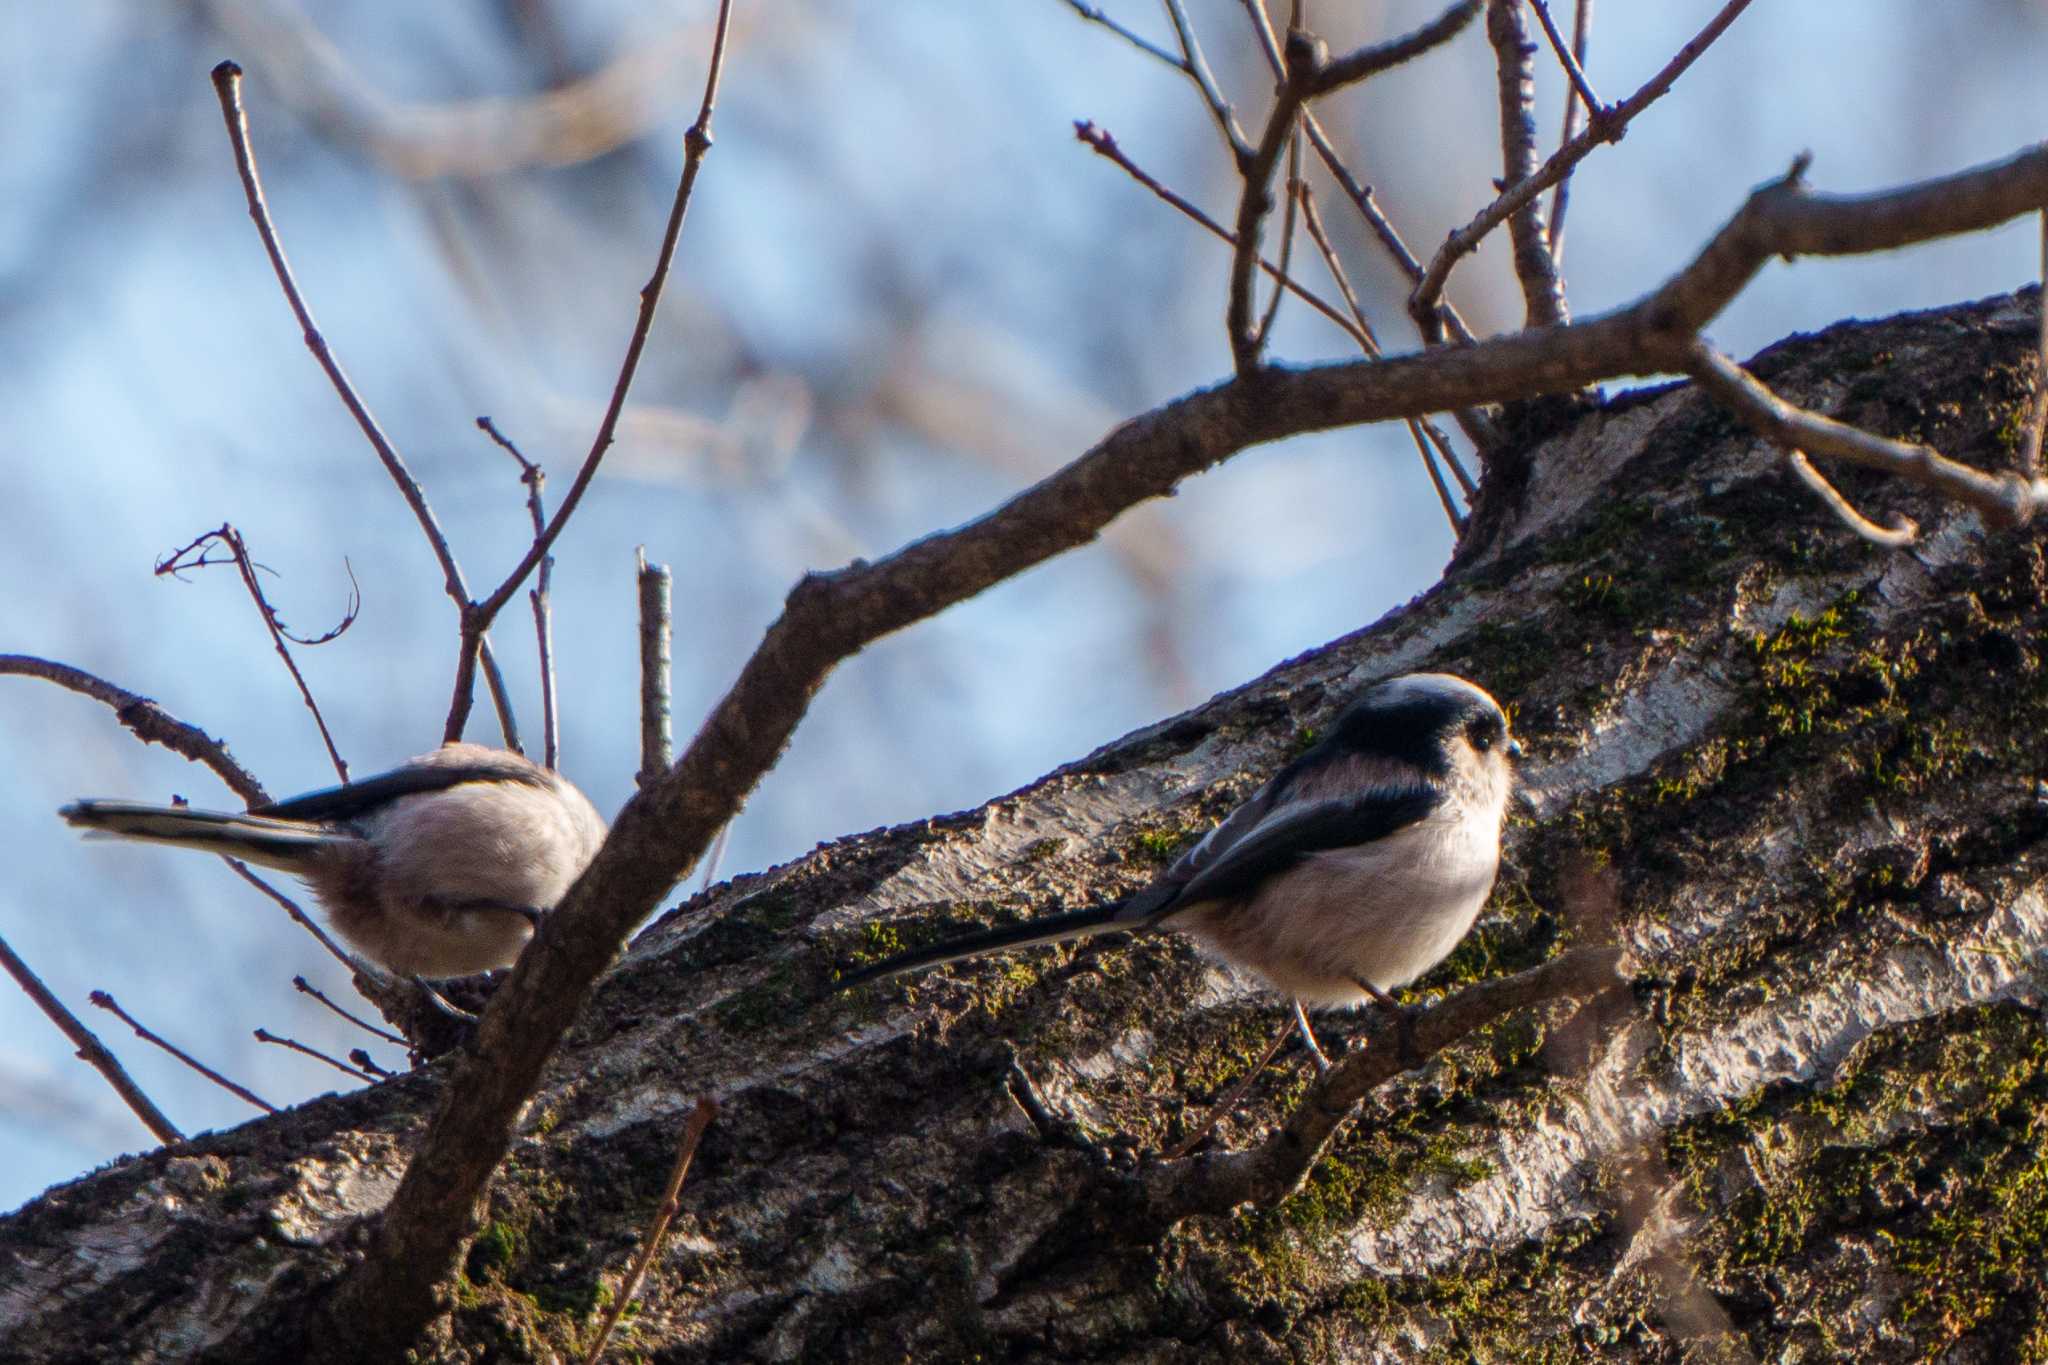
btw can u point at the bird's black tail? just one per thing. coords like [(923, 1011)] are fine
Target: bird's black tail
[(287, 845), (1121, 915)]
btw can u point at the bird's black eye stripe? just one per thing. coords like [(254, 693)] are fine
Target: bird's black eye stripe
[(1484, 732)]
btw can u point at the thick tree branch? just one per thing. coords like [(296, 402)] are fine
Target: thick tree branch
[(830, 616), (150, 723)]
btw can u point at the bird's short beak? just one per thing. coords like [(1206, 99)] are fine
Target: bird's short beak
[(1514, 748)]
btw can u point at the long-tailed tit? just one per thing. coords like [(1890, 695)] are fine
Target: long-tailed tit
[(439, 868), (1356, 869)]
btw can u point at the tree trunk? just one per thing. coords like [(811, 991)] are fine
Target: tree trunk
[(1815, 767)]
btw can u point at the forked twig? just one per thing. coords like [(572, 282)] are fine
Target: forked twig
[(1612, 122), (2002, 499), (91, 1050), (227, 86), (696, 142)]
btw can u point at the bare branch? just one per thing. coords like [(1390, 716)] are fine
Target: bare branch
[(1217, 1182), (238, 553), (1197, 67), (1514, 60), (696, 142), (227, 86), (1144, 45), (107, 1002), (91, 1050), (657, 1231), (291, 907), (1611, 123), (1561, 196), (1309, 73), (535, 478), (1294, 184), (150, 723), (266, 1036), (1314, 222), (305, 987), (1106, 146), (655, 745), (1902, 532), (1567, 58), (2002, 499)]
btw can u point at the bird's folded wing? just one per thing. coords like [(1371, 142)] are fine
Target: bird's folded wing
[(357, 798), (1291, 830)]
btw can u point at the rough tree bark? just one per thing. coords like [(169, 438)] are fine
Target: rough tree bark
[(1816, 767)]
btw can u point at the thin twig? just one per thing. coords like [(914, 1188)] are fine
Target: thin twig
[(2002, 499), (1313, 220), (1902, 532), (1223, 1107), (266, 1036), (1106, 146), (1198, 71), (1515, 65), (1566, 58), (1612, 122), (535, 478), (1309, 73), (291, 907), (90, 1049), (227, 86), (107, 1002), (1288, 212), (1145, 45), (1442, 441), (1560, 197), (306, 987), (149, 722), (361, 1058), (657, 1230), (281, 639), (655, 744)]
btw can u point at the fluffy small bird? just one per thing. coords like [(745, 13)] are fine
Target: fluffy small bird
[(1354, 870), (439, 868)]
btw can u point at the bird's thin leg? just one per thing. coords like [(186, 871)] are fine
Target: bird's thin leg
[(1230, 1101), (1404, 1022), (1308, 1038)]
